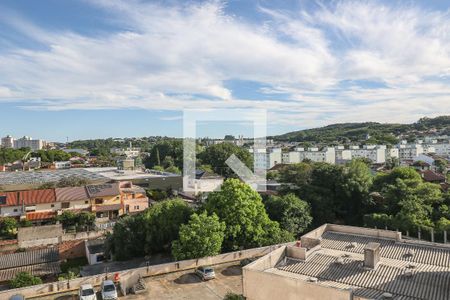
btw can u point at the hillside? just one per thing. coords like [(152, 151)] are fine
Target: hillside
[(379, 133)]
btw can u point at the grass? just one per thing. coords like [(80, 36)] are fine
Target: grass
[(73, 263)]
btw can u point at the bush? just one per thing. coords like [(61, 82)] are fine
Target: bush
[(233, 296), (24, 279)]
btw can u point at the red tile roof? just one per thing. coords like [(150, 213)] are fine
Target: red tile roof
[(431, 176), (71, 194), (11, 199), (36, 216), (33, 197)]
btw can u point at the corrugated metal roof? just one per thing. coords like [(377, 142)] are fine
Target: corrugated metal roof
[(28, 258), (32, 197), (36, 270), (71, 194), (42, 215), (102, 208), (423, 275)]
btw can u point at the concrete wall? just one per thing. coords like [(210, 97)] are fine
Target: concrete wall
[(128, 277), (38, 236), (261, 285)]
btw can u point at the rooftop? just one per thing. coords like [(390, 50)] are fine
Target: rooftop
[(333, 256)]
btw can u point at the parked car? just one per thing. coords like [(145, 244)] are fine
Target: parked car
[(86, 292), (17, 297), (109, 291), (205, 273)]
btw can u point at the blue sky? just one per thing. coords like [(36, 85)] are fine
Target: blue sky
[(114, 68)]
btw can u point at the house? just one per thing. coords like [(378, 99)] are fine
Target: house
[(95, 251), (134, 197), (431, 176), (73, 198), (205, 182), (105, 200)]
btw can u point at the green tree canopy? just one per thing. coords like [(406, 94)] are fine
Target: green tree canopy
[(216, 155), (201, 237), (242, 210), (163, 221), (293, 214), (8, 227)]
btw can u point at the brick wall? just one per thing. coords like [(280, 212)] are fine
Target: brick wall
[(71, 249)]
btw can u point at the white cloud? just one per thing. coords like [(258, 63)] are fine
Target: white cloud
[(175, 57)]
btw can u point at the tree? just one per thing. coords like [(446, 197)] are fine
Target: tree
[(163, 221), (24, 279), (296, 177), (128, 239), (293, 214), (216, 155), (67, 218), (201, 237), (8, 226), (173, 169), (170, 149), (242, 210)]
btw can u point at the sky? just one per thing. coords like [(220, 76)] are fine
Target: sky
[(79, 69)]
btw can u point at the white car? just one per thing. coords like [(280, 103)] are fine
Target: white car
[(205, 273), (109, 291), (87, 292)]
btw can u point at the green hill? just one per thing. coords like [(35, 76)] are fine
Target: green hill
[(378, 132)]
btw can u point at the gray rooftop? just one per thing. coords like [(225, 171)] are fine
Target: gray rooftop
[(40, 177), (407, 270)]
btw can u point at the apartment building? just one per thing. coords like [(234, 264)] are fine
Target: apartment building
[(28, 142), (442, 149), (7, 142), (266, 158), (409, 151), (375, 153), (107, 201), (345, 262)]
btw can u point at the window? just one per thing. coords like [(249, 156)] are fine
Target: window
[(117, 198), (15, 210), (52, 205), (98, 201), (86, 202), (65, 205), (2, 200)]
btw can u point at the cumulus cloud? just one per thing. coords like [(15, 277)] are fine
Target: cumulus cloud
[(181, 56)]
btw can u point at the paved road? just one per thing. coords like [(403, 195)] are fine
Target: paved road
[(185, 286)]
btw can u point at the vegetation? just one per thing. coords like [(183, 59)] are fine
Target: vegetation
[(8, 227), (233, 296), (247, 223), (216, 155), (24, 279), (293, 214), (72, 181), (8, 155), (202, 236), (355, 132), (165, 153), (79, 220)]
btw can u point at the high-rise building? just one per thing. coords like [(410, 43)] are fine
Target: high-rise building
[(28, 142), (7, 142)]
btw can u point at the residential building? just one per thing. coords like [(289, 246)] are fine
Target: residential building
[(134, 197), (7, 142), (28, 142), (266, 158), (95, 251), (409, 151), (442, 149), (204, 182), (128, 152), (105, 200), (392, 153), (326, 154), (344, 262), (62, 165), (342, 155), (375, 153)]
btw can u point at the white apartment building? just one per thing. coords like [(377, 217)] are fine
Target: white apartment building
[(441, 149), (314, 154), (129, 151), (375, 153), (342, 155), (392, 153), (7, 142), (266, 158), (409, 151), (28, 142)]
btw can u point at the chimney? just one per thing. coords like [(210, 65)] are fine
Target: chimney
[(371, 255)]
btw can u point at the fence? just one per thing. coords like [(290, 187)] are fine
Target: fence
[(129, 277)]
